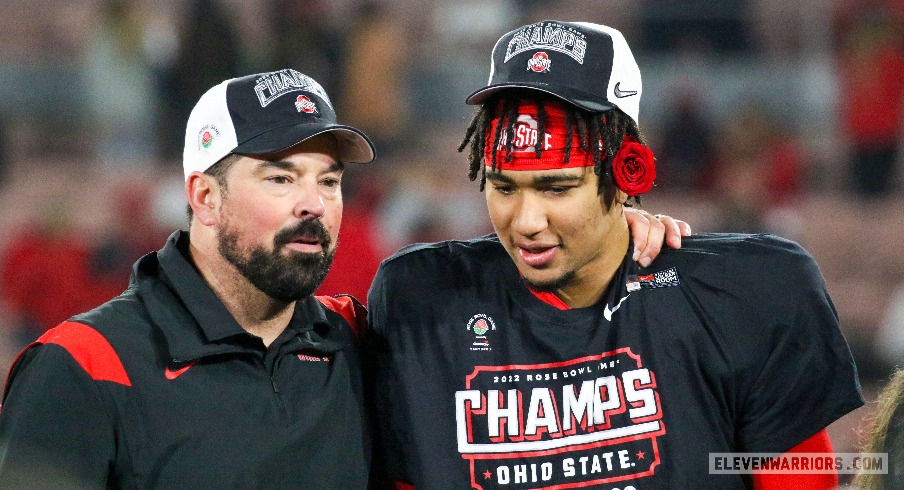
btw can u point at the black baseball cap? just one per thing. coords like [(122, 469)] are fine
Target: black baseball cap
[(265, 113), (588, 65)]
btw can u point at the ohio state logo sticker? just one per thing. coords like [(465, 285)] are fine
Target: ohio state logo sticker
[(304, 104), (481, 325), (539, 62)]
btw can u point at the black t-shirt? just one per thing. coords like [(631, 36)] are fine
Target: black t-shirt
[(730, 344)]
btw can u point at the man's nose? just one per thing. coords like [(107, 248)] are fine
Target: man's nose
[(310, 202)]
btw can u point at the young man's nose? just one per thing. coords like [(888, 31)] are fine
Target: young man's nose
[(529, 217)]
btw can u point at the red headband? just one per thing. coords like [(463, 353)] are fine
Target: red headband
[(526, 137), (633, 167)]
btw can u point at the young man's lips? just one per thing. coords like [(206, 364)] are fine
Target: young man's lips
[(537, 256)]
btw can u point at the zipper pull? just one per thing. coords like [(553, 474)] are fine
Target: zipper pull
[(273, 384)]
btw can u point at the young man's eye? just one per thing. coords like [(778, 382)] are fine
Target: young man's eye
[(504, 189), (557, 190), (279, 179), (331, 182)]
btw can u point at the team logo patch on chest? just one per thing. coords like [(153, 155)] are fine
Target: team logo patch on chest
[(480, 326), (661, 279), (588, 421)]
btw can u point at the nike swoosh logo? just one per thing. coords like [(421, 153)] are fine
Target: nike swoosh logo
[(621, 94), (179, 372), (608, 313)]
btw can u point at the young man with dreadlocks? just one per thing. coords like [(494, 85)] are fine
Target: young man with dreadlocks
[(542, 356)]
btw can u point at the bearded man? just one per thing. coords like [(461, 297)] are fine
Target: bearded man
[(216, 368)]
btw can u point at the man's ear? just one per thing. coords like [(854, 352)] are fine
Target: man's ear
[(204, 196)]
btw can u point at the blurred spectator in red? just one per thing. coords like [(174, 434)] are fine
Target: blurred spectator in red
[(45, 277), (685, 156), (759, 170), (870, 56), (131, 233), (359, 253)]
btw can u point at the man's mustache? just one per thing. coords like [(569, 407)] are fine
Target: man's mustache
[(309, 228)]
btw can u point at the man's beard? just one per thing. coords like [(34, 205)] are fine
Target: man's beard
[(284, 278)]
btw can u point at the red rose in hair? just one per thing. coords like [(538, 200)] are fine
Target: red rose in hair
[(633, 167)]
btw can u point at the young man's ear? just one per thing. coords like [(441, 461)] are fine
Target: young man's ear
[(621, 197), (203, 194), (612, 196)]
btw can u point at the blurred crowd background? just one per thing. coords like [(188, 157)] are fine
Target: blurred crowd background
[(765, 116)]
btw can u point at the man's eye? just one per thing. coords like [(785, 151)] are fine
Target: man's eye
[(331, 182), (504, 189), (279, 179)]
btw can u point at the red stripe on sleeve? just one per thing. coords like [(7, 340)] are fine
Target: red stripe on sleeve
[(90, 350), (350, 309), (818, 443)]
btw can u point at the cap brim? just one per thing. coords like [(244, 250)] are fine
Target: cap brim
[(354, 145), (576, 97)]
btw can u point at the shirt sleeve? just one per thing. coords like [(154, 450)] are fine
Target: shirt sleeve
[(817, 443), (55, 430), (350, 308), (799, 375)]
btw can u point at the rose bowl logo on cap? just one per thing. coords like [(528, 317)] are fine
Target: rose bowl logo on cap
[(539, 62), (207, 135), (304, 104)]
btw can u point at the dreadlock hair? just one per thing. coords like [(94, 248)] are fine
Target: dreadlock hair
[(609, 128)]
